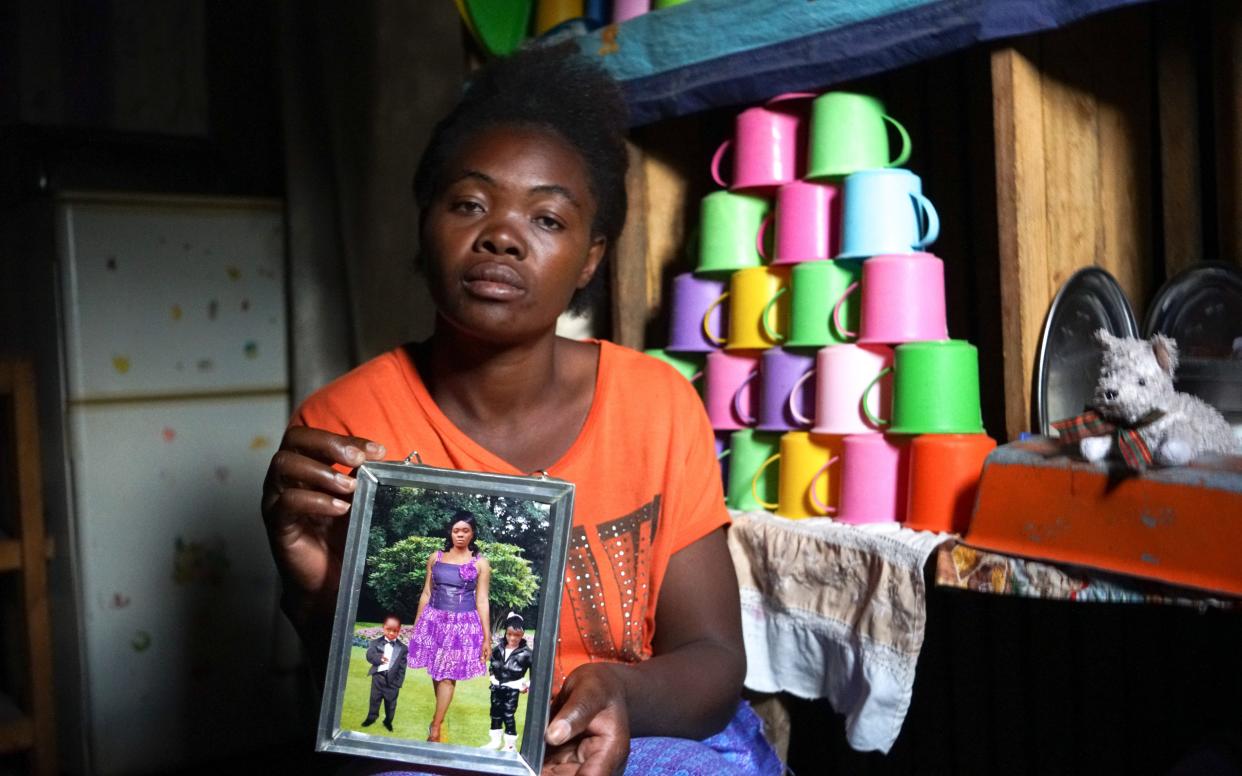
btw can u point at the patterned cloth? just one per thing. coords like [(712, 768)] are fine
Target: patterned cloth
[(449, 644), (984, 571), (834, 611), (738, 750)]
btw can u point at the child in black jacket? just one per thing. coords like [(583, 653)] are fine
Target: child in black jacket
[(511, 660)]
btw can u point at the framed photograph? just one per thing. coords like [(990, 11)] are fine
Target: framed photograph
[(443, 644)]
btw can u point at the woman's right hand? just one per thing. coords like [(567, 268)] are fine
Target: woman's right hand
[(303, 495)]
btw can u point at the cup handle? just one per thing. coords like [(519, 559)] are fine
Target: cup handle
[(754, 483), (821, 506), (694, 378), (905, 142), (797, 387), (924, 206), (787, 96), (716, 157), (707, 332), (836, 313), (775, 336), (763, 232), (747, 420), (724, 454), (867, 410)]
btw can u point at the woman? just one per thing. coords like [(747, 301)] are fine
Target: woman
[(452, 616), (522, 194)]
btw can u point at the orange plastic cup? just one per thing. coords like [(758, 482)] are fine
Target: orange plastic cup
[(944, 479)]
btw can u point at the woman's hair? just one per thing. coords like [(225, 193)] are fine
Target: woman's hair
[(553, 88), (462, 516)]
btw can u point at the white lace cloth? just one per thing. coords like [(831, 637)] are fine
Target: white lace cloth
[(834, 611)]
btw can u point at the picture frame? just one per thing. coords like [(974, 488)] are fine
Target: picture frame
[(399, 533)]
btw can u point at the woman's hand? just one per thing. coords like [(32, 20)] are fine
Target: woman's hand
[(590, 734), (485, 650), (302, 497)]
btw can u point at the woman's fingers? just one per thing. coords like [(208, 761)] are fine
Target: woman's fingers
[(295, 504), (290, 469), (591, 727), (331, 448)]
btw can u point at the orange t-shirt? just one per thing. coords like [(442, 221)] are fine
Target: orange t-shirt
[(644, 465)]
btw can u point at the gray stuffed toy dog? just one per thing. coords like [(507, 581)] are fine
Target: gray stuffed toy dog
[(1137, 414)]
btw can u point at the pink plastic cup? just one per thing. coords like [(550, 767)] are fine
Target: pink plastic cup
[(874, 472), (808, 223), (844, 373), (769, 144), (902, 300), (729, 393), (623, 10)]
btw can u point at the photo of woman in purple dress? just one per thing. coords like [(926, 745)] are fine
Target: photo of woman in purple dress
[(453, 616)]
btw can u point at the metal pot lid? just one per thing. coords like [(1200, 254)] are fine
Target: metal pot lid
[(1068, 358), (1200, 308)]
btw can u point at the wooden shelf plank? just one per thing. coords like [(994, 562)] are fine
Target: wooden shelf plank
[(11, 552)]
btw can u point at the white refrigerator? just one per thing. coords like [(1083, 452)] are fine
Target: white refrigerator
[(171, 331)]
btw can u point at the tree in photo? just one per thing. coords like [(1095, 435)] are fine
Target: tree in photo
[(420, 512), (396, 575)]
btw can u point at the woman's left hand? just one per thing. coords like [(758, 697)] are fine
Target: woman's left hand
[(484, 657), (590, 734)]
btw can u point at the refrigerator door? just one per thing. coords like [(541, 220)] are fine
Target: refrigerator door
[(179, 590), (167, 296)]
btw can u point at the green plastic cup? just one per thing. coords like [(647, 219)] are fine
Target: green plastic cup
[(688, 365), (849, 133), (729, 230), (748, 449), (935, 389), (815, 286)]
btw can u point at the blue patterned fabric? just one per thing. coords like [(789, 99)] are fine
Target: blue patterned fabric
[(738, 750), (697, 56)]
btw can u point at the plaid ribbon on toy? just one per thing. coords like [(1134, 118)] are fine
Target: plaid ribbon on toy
[(1091, 424)]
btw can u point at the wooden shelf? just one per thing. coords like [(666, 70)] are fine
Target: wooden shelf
[(11, 552), (16, 729)]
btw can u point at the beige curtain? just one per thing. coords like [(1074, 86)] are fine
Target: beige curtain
[(362, 85)]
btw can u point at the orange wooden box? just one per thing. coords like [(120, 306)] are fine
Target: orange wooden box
[(1179, 525)]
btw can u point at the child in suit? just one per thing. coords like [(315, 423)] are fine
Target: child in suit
[(386, 654)]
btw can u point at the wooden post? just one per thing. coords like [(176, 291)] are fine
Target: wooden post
[(1071, 124), (1018, 127), (629, 259), (1178, 108), (17, 384)]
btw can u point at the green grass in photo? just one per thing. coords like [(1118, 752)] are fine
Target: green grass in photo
[(469, 715)]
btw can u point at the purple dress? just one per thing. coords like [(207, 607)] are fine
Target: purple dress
[(448, 637)]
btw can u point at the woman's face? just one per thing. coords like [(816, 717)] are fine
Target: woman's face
[(508, 240), (461, 533)]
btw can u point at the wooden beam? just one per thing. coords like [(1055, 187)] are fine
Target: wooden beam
[(1178, 106), (1119, 45), (1227, 77), (1018, 128), (629, 259), (19, 378)]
